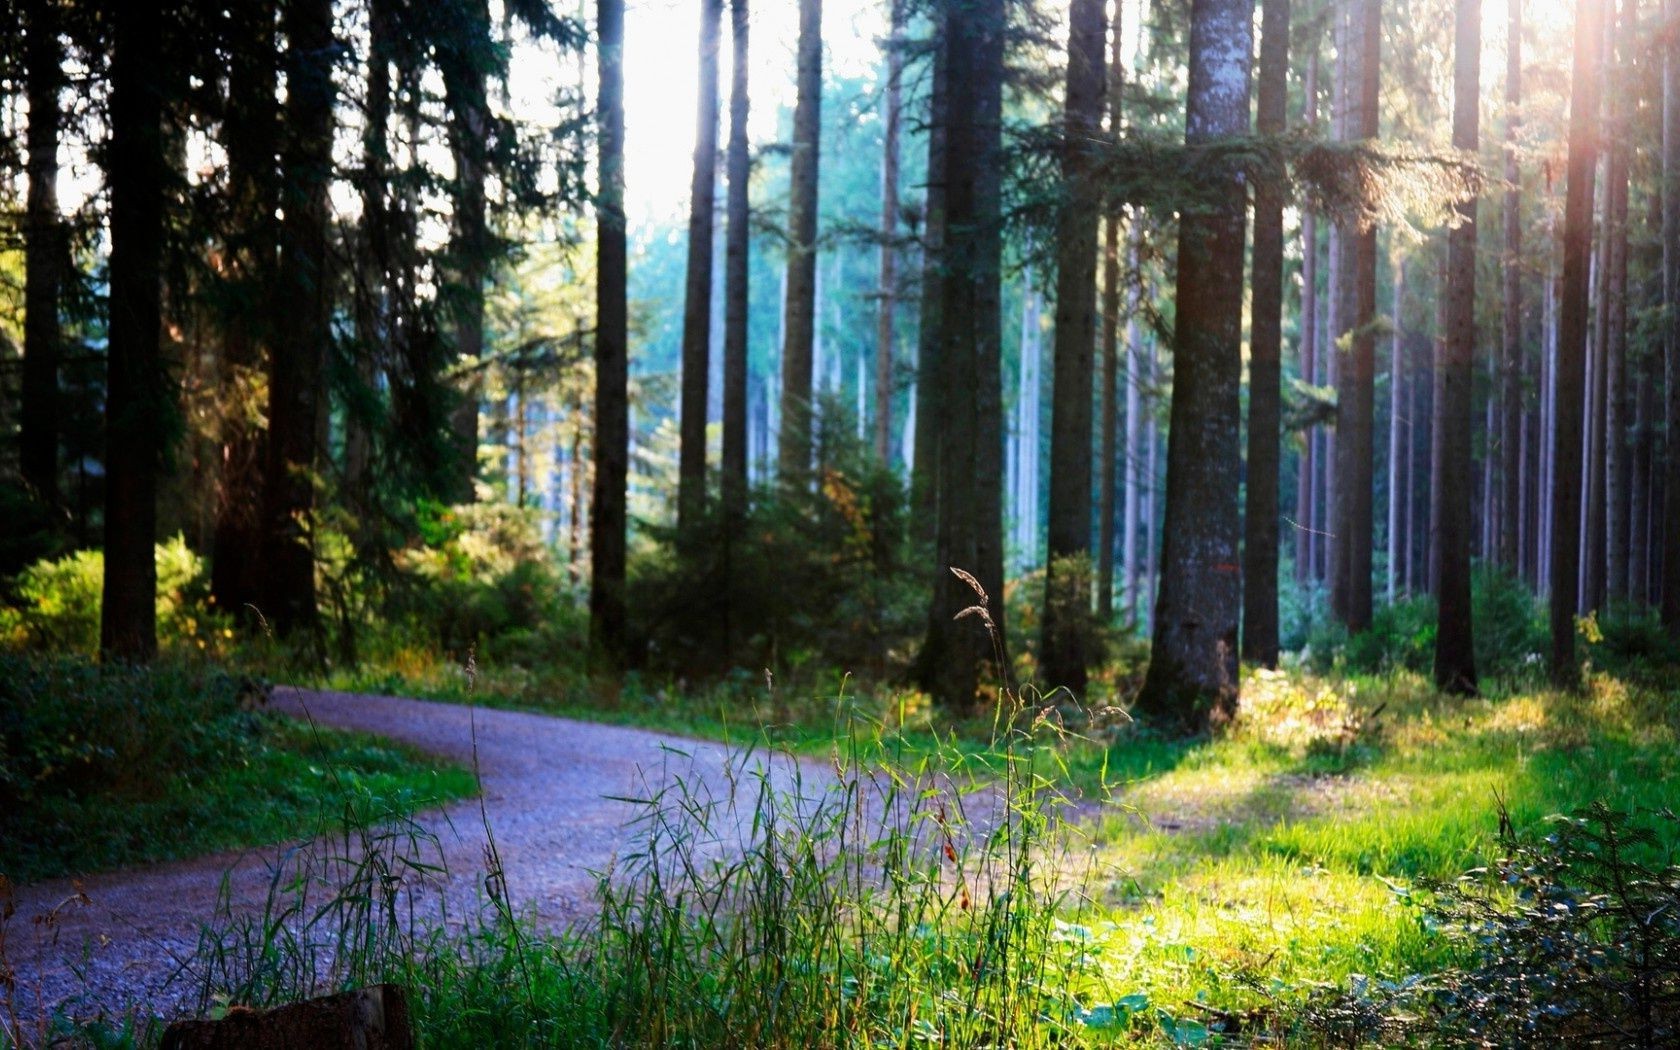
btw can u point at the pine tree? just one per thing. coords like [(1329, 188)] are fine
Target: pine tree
[(608, 521), (44, 250), (697, 299), (800, 305)]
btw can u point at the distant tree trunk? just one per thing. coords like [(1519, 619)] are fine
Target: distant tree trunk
[(1511, 498), (968, 378), (1671, 342), (136, 401), (1306, 489), (1350, 590), (697, 302), (252, 140), (1067, 598), (44, 251), (1135, 478), (1109, 462), (302, 319), (1455, 655), (1192, 675), (1616, 465), (800, 306), (739, 170), (924, 471), (1572, 338), (608, 522), (1396, 440), (884, 320), (463, 61), (1265, 368)]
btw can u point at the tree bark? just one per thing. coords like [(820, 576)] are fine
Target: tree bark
[(302, 305), (697, 301), (924, 471), (1067, 597), (1109, 402), (1306, 487), (1265, 368), (739, 169), (1572, 337), (136, 401), (463, 60), (1617, 465), (800, 306), (885, 315), (608, 522), (1396, 437), (44, 252), (969, 382), (1511, 498), (1192, 676)]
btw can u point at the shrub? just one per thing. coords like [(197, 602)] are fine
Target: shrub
[(57, 603)]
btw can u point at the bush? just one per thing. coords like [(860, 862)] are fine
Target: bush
[(56, 603)]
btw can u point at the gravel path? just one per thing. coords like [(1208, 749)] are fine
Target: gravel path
[(546, 784)]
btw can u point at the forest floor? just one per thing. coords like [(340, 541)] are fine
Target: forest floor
[(555, 795)]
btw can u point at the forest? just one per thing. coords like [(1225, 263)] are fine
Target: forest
[(840, 522)]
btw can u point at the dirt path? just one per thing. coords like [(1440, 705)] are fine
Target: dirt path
[(545, 780)]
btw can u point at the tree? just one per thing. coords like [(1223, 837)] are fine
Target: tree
[(924, 470), (1455, 655), (136, 399), (1109, 461), (697, 298), (1350, 577), (737, 236), (608, 521), (1306, 490), (1067, 597), (1265, 368), (884, 320), (800, 306), (302, 321), (1671, 331), (1570, 375), (1192, 676), (251, 135), (44, 250), (968, 380), (1511, 274)]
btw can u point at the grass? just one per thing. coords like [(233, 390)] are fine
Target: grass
[(102, 768)]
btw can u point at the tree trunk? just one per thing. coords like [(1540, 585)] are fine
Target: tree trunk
[(1396, 437), (739, 169), (373, 315), (137, 401), (607, 515), (1572, 338), (1510, 376), (924, 471), (1192, 675), (462, 62), (302, 305), (252, 138), (969, 383), (884, 320), (1616, 465), (800, 306), (1131, 559), (1671, 343), (1265, 368), (1110, 406), (697, 302), (44, 252), (1067, 597), (1306, 487)]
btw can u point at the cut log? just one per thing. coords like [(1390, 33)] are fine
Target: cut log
[(373, 1018)]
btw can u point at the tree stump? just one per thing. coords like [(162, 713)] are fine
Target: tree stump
[(374, 1018)]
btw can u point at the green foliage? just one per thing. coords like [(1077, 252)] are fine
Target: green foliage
[(56, 604), (101, 766)]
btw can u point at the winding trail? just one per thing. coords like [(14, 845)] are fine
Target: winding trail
[(547, 785)]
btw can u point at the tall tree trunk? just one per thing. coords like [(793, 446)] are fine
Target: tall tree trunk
[(1192, 675), (608, 521), (1109, 462), (372, 311), (800, 306), (969, 383), (697, 302), (1455, 653), (885, 315), (1131, 559), (1350, 591), (1671, 342), (1616, 465), (1396, 437), (1437, 398), (1265, 368), (1067, 597), (44, 251), (1511, 498), (924, 471), (253, 144), (137, 401), (1306, 487), (1572, 339), (463, 61), (302, 305), (739, 169)]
